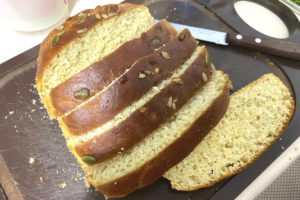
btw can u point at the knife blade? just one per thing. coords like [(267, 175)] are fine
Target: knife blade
[(265, 45)]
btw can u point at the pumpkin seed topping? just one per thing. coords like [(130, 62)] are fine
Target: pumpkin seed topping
[(105, 16), (158, 30), (170, 102), (174, 106), (142, 110), (88, 159), (97, 16), (213, 68), (82, 93), (81, 20), (182, 36), (60, 28), (142, 75), (82, 30), (165, 55), (55, 40), (206, 61), (155, 42), (204, 77)]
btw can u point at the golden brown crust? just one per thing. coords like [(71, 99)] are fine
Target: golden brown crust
[(257, 156), (142, 122), (172, 154), (123, 93), (95, 77), (69, 33)]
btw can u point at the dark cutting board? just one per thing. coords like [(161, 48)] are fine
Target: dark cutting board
[(27, 132)]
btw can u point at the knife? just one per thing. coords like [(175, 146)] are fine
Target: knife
[(268, 46)]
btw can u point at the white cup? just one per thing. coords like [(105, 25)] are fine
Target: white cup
[(33, 15)]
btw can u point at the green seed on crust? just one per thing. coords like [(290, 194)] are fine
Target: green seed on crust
[(206, 61), (82, 93), (88, 159)]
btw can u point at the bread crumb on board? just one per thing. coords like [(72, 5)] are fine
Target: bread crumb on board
[(33, 101), (63, 185), (31, 160), (41, 179), (87, 184)]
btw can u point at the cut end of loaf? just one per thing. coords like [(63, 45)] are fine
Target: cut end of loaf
[(91, 46), (256, 116)]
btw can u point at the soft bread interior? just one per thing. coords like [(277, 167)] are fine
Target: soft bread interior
[(155, 143), (256, 116), (98, 42), (136, 105)]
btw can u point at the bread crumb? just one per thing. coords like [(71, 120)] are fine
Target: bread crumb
[(41, 107), (5, 117), (282, 147), (56, 171), (76, 179), (41, 179), (72, 177), (87, 184), (32, 110), (63, 185), (12, 112), (289, 158), (31, 160), (33, 101)]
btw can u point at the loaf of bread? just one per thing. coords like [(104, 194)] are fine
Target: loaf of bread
[(133, 100), (86, 38), (85, 84), (256, 116)]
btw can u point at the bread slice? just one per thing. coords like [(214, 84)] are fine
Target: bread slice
[(151, 110), (130, 87), (166, 146), (256, 116), (85, 39), (95, 77)]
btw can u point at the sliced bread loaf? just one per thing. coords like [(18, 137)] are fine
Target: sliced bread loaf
[(256, 116), (85, 39), (151, 110), (131, 86), (92, 79), (166, 146)]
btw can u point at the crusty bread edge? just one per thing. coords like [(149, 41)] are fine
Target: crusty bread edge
[(154, 168), (256, 157)]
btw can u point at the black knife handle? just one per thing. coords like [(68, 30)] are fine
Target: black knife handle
[(269, 46)]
